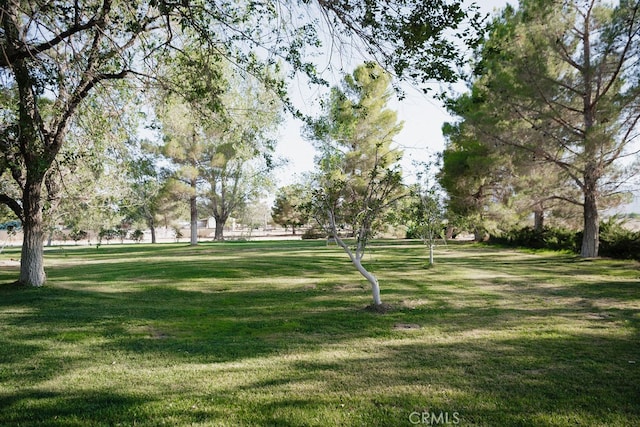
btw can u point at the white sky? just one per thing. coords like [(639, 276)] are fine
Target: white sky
[(420, 138)]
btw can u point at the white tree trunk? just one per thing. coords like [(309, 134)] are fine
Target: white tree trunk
[(375, 287), (431, 253), (356, 259)]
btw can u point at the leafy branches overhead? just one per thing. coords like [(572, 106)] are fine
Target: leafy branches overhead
[(412, 38)]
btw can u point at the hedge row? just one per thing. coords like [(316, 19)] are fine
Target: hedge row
[(616, 241)]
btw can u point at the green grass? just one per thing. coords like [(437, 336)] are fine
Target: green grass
[(276, 333)]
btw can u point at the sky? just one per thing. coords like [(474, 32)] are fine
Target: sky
[(420, 138)]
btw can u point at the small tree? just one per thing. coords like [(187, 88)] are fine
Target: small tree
[(358, 178), (288, 208), (424, 216)]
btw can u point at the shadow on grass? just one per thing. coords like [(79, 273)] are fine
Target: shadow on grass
[(35, 407), (273, 338)]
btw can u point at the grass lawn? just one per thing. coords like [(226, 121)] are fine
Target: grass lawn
[(276, 333)]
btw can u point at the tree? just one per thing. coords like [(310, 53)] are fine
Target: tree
[(560, 81), (492, 186), (288, 209), (424, 214), (218, 133), (472, 174), (358, 177), (60, 52), (241, 145), (53, 56), (150, 191), (185, 147)]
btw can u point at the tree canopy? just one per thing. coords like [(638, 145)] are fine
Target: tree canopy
[(558, 83)]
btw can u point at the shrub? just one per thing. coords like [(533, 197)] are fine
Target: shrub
[(548, 238), (615, 240), (107, 234), (314, 233), (137, 235), (618, 242), (77, 235)]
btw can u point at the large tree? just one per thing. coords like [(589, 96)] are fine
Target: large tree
[(241, 141), (63, 51), (358, 175), (493, 188), (560, 81), (188, 151), (54, 56)]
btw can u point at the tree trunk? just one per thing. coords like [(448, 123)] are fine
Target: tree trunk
[(591, 232), (431, 254), (152, 227), (194, 218), (538, 219), (32, 260), (375, 286), (219, 235)]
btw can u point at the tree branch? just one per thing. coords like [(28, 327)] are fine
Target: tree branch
[(8, 59), (12, 204)]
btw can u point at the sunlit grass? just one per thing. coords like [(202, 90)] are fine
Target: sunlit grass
[(276, 333)]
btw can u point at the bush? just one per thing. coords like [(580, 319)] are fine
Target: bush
[(77, 235), (107, 234), (314, 233), (615, 240), (549, 238), (618, 242), (137, 235)]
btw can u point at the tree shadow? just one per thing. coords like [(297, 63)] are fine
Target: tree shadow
[(501, 350)]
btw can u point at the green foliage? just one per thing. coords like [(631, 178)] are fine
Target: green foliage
[(547, 238), (313, 233), (107, 234), (137, 235), (358, 177), (418, 41), (619, 242), (616, 241), (424, 212), (553, 98), (290, 206), (77, 235)]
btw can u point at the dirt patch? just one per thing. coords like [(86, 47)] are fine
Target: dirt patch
[(379, 308), (406, 326), (157, 334), (9, 263)]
